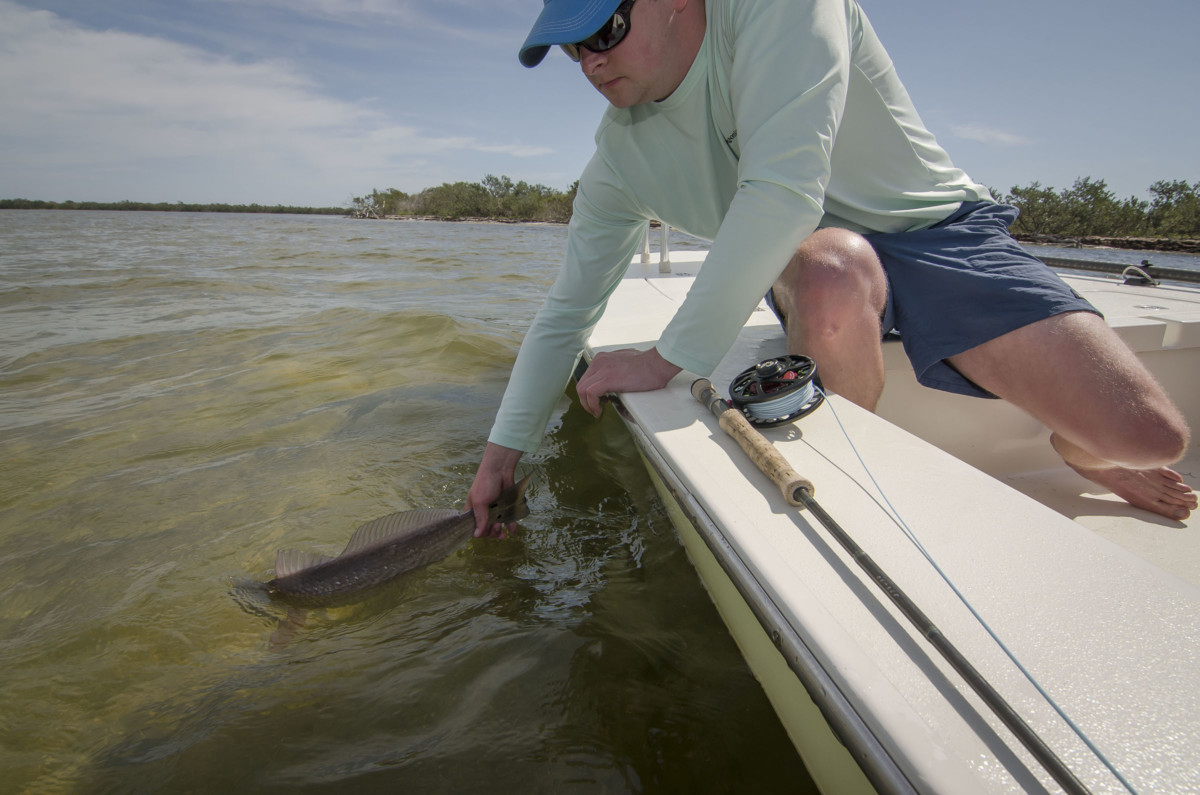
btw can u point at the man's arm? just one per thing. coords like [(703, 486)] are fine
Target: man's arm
[(600, 246)]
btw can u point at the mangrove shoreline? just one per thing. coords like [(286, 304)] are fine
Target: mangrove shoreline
[(1086, 215)]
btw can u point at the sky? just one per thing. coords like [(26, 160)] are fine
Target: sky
[(313, 102)]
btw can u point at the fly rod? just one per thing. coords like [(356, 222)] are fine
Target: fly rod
[(799, 491)]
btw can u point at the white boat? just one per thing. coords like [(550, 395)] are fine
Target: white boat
[(1081, 613)]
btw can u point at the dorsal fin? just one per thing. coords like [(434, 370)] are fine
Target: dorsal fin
[(292, 561), (393, 526)]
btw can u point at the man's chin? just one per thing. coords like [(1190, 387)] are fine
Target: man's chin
[(614, 92)]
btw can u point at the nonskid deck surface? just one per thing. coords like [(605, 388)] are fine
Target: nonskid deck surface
[(1171, 545)]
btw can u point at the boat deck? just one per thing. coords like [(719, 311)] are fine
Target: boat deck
[(1100, 601)]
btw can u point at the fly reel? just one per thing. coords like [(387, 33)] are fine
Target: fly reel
[(776, 391)]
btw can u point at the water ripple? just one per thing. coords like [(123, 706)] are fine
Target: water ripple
[(181, 395)]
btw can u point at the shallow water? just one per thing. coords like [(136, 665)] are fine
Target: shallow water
[(1166, 259), (1119, 256), (183, 394)]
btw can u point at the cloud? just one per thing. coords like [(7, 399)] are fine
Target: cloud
[(128, 103), (989, 135), (517, 150), (455, 21)]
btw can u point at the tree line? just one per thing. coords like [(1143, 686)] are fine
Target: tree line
[(1089, 209), (496, 198), (166, 207)]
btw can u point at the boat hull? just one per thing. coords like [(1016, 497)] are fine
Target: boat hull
[(778, 658)]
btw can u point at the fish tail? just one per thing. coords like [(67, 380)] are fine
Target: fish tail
[(510, 505)]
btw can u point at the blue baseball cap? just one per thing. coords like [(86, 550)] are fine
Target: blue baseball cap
[(565, 22)]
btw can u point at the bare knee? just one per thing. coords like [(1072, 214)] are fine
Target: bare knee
[(835, 275), (1146, 429), (1157, 436), (1172, 440), (1139, 429)]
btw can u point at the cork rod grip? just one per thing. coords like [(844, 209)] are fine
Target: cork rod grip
[(769, 461)]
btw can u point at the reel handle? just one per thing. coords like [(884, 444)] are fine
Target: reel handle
[(769, 460)]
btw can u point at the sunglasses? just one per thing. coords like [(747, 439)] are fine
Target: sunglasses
[(610, 34)]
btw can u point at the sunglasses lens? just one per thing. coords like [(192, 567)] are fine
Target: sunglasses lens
[(606, 38), (611, 34)]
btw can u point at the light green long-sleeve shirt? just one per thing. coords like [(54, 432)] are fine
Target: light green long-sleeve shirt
[(790, 118)]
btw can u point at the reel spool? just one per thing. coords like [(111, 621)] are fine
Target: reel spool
[(776, 391)]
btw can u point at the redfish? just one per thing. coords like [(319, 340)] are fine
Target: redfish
[(383, 549)]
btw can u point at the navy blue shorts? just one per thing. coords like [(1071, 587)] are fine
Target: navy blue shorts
[(960, 283)]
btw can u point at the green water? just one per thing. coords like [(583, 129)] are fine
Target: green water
[(181, 395)]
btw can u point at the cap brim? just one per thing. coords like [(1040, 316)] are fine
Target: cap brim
[(564, 22)]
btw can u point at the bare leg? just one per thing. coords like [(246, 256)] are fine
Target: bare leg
[(1111, 420), (832, 295)]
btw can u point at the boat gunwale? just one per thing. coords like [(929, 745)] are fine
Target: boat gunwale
[(847, 724)]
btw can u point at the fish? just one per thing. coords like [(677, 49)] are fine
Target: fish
[(383, 549)]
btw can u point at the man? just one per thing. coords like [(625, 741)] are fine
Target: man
[(780, 131)]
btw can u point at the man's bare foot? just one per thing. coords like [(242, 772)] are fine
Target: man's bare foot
[(1159, 490)]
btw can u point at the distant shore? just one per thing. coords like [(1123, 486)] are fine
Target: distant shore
[(1162, 244), (463, 220), (170, 207)]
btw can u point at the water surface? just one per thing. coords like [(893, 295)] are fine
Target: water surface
[(183, 394)]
